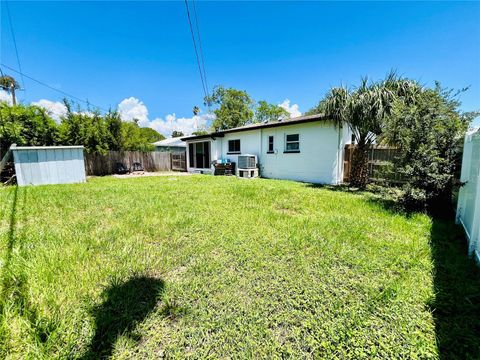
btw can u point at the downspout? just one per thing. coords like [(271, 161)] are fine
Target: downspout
[(260, 153), (339, 156)]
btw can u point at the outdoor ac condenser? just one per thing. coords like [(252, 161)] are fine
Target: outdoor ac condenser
[(247, 161), (247, 166)]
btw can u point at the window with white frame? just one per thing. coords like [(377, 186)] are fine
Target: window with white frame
[(292, 143)]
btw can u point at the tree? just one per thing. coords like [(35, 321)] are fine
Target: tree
[(9, 84), (269, 112), (134, 139), (114, 127), (151, 135), (26, 125), (235, 107), (176, 133), (87, 129), (200, 132), (364, 111), (428, 133)]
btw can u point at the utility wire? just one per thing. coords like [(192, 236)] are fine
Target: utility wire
[(196, 51), (52, 88), (14, 42), (200, 46)]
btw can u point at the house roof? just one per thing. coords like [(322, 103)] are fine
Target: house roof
[(170, 142), (292, 121)]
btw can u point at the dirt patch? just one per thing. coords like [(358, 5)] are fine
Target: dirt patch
[(146, 173)]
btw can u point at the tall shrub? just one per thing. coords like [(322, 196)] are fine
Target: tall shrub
[(429, 135)]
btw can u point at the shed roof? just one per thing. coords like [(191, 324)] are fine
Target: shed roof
[(291, 121)]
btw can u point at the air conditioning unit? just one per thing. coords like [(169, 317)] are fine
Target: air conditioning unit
[(247, 162), (247, 166)]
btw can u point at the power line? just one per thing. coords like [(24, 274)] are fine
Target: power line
[(196, 51), (14, 42), (52, 88), (200, 46)]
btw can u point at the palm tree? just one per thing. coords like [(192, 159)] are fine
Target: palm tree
[(363, 110), (9, 84)]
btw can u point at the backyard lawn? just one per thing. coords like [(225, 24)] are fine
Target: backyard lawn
[(221, 267)]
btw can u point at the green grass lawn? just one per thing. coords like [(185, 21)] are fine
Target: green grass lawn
[(218, 267)]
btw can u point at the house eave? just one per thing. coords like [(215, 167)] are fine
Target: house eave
[(294, 121)]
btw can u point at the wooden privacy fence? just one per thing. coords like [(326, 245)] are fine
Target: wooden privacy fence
[(379, 164), (179, 161), (97, 164)]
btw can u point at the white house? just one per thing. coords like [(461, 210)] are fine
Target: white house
[(307, 148)]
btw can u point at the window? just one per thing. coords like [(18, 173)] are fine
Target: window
[(270, 144), (292, 143), (234, 146), (199, 155)]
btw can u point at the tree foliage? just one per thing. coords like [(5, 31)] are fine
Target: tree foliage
[(269, 112), (176, 133), (9, 84), (31, 125), (25, 125), (234, 107), (363, 110), (425, 124), (428, 132), (151, 135), (200, 132)]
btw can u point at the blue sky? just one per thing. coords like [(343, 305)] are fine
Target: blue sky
[(110, 51)]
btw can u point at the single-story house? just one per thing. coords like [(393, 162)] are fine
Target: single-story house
[(170, 145), (306, 148)]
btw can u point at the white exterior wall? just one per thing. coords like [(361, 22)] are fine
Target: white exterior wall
[(468, 207), (249, 144), (320, 159)]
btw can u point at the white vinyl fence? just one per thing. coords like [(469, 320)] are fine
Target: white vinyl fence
[(468, 208)]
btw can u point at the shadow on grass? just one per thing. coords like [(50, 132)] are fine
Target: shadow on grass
[(10, 239), (456, 308), (456, 280), (124, 306), (14, 281)]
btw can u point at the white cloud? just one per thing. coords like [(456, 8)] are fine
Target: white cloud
[(292, 109), (132, 108), (5, 97), (183, 124), (55, 109)]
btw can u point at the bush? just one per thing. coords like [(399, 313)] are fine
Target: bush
[(429, 135)]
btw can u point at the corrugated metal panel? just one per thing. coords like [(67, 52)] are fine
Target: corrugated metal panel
[(49, 165)]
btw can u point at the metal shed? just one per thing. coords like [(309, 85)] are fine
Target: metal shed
[(40, 165)]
